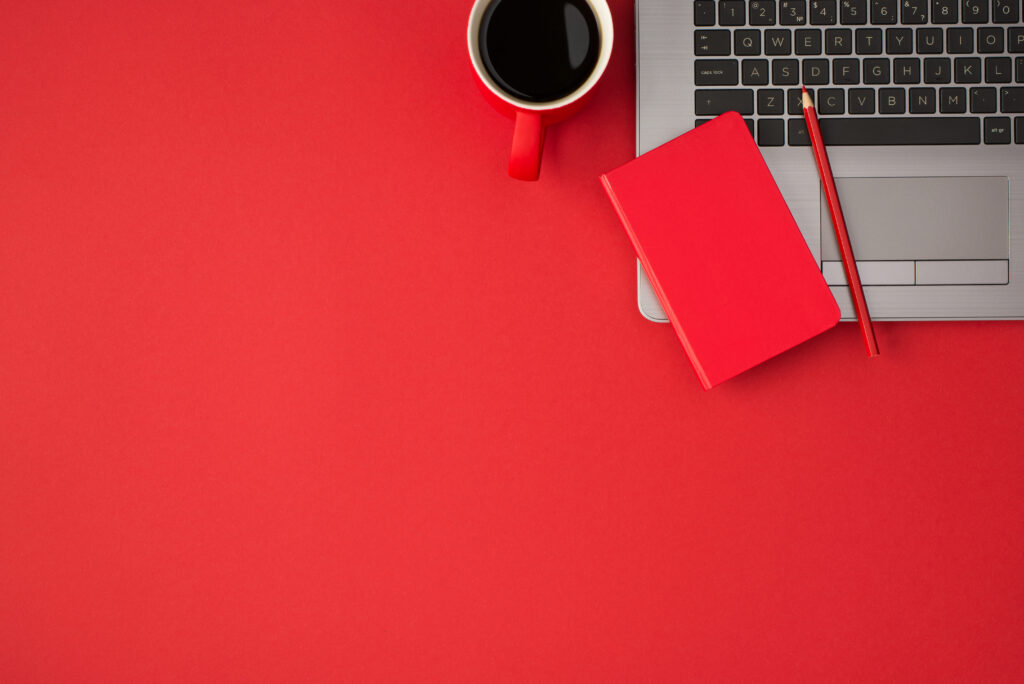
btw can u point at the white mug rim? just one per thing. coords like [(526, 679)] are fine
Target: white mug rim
[(604, 27)]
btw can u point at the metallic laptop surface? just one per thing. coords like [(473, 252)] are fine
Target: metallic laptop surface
[(921, 104)]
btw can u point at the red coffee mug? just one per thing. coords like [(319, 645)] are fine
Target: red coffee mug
[(533, 118)]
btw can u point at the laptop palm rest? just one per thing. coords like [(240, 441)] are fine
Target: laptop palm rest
[(910, 231)]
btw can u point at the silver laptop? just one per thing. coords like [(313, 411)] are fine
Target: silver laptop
[(921, 103)]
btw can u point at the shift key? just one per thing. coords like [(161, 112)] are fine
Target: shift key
[(715, 102)]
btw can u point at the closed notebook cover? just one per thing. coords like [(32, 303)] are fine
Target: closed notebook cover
[(721, 249)]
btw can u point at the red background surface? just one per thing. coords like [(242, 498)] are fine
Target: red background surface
[(296, 385)]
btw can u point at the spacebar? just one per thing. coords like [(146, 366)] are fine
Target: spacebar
[(934, 130)]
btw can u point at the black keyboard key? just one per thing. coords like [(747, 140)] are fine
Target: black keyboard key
[(1020, 69), (755, 72), (883, 11), (795, 100), (732, 13), (892, 101), (711, 42), (967, 70), (762, 12), (838, 42), (793, 12), (704, 13), (915, 11), (983, 100), (998, 70), (746, 42), (716, 72), (990, 39), (938, 70), (798, 135), (944, 11), (770, 102), (869, 41), (823, 12), (1018, 123), (785, 72), (862, 100), (960, 41), (815, 71), (1012, 100), (771, 132), (997, 130), (1015, 39), (975, 11), (749, 122), (935, 130), (808, 41), (899, 41), (831, 101), (778, 42), (715, 102), (953, 100), (1006, 11), (846, 71), (929, 41), (853, 12), (906, 70), (922, 100), (876, 71)]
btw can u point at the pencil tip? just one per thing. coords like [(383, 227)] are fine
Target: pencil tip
[(806, 100)]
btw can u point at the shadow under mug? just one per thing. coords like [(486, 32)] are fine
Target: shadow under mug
[(533, 118)]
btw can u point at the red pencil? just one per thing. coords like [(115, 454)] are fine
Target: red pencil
[(860, 305)]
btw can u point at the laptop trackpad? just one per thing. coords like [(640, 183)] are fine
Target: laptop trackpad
[(927, 231)]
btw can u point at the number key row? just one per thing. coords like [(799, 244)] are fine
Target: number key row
[(853, 12)]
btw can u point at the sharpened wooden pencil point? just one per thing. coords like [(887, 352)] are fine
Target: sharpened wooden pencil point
[(808, 102)]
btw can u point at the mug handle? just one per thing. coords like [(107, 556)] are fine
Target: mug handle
[(527, 145)]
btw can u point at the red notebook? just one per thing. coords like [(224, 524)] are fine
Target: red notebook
[(721, 249)]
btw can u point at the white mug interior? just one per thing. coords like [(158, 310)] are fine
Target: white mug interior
[(604, 27)]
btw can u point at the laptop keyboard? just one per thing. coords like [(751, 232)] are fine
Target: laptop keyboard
[(881, 72)]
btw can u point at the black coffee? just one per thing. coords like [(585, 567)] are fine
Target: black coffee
[(539, 50)]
